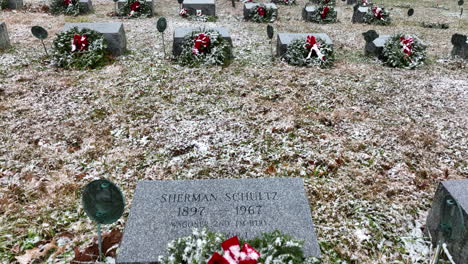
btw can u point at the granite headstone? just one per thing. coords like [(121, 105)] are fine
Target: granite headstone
[(14, 4), (113, 32), (180, 33), (121, 3), (4, 38), (87, 5), (460, 46), (207, 7), (162, 211), (249, 6), (358, 14), (284, 39), (448, 218)]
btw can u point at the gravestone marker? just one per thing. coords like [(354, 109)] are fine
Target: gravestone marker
[(375, 47), (249, 6), (113, 32), (4, 38), (180, 33), (284, 39), (121, 3), (448, 218), (358, 14), (87, 5), (460, 46), (165, 210), (14, 4), (207, 7), (307, 12)]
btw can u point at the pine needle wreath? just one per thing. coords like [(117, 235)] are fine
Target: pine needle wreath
[(90, 54), (262, 14), (67, 7), (217, 52), (184, 12), (324, 15), (273, 247), (325, 2), (135, 8), (284, 2), (396, 55), (298, 54), (377, 15)]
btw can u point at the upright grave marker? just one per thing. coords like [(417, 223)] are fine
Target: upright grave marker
[(14, 4), (206, 7), (166, 210), (460, 46), (448, 219), (4, 38), (285, 39)]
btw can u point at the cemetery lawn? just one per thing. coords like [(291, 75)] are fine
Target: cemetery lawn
[(371, 142)]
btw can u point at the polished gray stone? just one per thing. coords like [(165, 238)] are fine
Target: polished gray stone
[(180, 33), (4, 38), (15, 4), (249, 6), (113, 32), (457, 241), (284, 39), (87, 5), (243, 207), (307, 12), (460, 46), (207, 7), (121, 3), (358, 14), (375, 47)]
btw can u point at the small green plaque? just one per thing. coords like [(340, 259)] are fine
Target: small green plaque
[(451, 222), (103, 201), (39, 32), (161, 24)]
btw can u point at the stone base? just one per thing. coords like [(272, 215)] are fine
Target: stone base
[(121, 3), (114, 34), (14, 4), (359, 12), (180, 33), (375, 47), (207, 7), (4, 39), (87, 5), (442, 212), (249, 6), (460, 46), (284, 39)]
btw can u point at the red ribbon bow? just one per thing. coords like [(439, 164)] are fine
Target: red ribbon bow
[(311, 41), (364, 2), (67, 2), (135, 6), (407, 44), (377, 12), (80, 43), (202, 41), (261, 11), (325, 12), (233, 254)]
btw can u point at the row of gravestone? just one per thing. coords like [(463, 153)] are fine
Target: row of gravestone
[(114, 34)]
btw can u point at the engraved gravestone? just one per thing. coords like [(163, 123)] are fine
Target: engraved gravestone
[(460, 46), (162, 211), (4, 38), (447, 221)]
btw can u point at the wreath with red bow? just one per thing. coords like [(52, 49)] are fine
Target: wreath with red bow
[(309, 51), (79, 48), (135, 8), (208, 247), (262, 14), (67, 7), (377, 15), (284, 2), (325, 2), (205, 48), (404, 51), (324, 15)]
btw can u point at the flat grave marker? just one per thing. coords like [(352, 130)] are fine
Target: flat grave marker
[(121, 3), (180, 33), (285, 39), (162, 211), (207, 7)]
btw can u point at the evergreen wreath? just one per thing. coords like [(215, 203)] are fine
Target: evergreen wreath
[(325, 2), (3, 4), (67, 7), (184, 12), (198, 248), (135, 8), (205, 48), (310, 51), (377, 15), (284, 2), (79, 48), (404, 51), (365, 3), (324, 15), (262, 14)]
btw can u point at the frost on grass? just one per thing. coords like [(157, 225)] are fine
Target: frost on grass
[(371, 142)]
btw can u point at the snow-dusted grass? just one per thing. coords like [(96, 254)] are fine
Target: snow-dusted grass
[(371, 142)]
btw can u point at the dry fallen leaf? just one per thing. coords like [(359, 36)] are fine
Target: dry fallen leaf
[(36, 253)]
